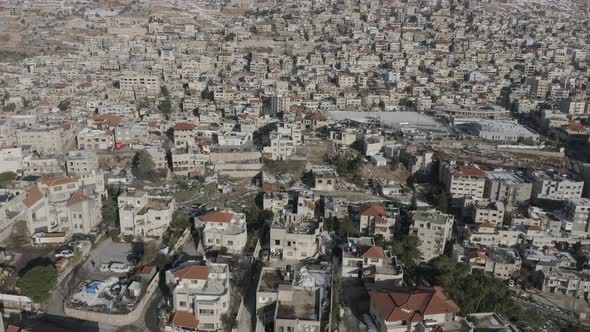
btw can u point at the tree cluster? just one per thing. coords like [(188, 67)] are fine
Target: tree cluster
[(38, 282), (143, 167), (474, 291)]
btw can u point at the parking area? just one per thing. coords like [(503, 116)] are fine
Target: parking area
[(108, 251)]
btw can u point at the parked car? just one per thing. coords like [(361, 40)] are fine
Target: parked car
[(118, 267), (104, 267), (64, 253), (94, 232)]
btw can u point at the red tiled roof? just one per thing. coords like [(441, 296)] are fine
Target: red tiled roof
[(470, 171), (184, 126), (316, 116), (12, 328), (535, 228), (77, 197), (146, 269), (374, 252), (218, 217), (407, 304), (33, 197), (108, 119), (575, 126), (195, 272), (487, 225), (185, 319), (372, 210), (50, 182)]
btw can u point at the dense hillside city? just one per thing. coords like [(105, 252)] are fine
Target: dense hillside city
[(295, 166)]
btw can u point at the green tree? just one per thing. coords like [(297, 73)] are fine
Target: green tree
[(475, 291), (229, 321), (9, 107), (443, 202), (64, 105), (347, 228), (165, 105), (407, 250), (6, 178), (38, 283), (143, 167), (180, 220)]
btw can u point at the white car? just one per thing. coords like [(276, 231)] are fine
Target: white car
[(64, 253), (117, 267)]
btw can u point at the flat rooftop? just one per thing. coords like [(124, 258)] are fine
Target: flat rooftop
[(506, 177), (270, 279), (305, 305)]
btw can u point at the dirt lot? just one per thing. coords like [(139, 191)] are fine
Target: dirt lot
[(400, 175), (315, 150), (241, 195)]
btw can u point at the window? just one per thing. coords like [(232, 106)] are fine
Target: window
[(182, 304), (277, 242), (206, 312)]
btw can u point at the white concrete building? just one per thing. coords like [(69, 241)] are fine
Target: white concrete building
[(548, 184), (142, 215), (200, 295), (11, 160), (434, 229), (463, 181), (223, 229)]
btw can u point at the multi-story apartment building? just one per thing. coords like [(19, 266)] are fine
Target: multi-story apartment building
[(275, 201), (567, 282), (293, 238), (416, 159), (434, 229), (189, 162), (95, 139), (345, 79), (135, 83), (37, 164), (492, 235), (11, 160), (376, 220), (81, 162), (280, 104), (223, 229), (507, 187), (503, 263), (61, 205), (463, 181), (554, 185), (488, 212), (50, 139), (362, 259), (200, 295), (185, 135), (142, 215), (280, 147), (158, 156), (577, 211)]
